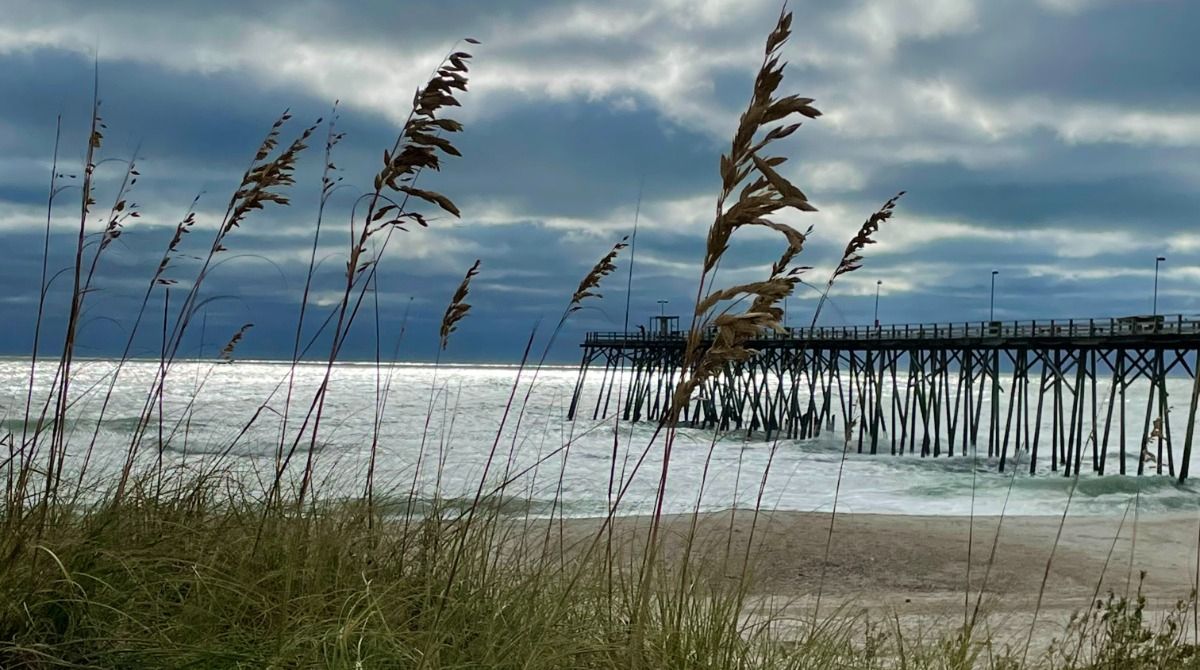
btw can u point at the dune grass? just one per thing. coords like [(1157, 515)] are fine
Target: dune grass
[(199, 565), (194, 577), (173, 582)]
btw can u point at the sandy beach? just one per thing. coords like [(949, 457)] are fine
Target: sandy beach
[(913, 569)]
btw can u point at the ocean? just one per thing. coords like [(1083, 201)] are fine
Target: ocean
[(453, 415)]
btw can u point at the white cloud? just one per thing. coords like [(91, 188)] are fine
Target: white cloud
[(883, 24), (903, 236), (831, 176), (1098, 124)]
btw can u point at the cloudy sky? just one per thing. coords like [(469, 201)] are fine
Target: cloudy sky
[(1056, 141)]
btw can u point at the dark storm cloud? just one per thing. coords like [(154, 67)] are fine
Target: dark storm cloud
[(1111, 202), (1112, 53), (581, 160), (1056, 141)]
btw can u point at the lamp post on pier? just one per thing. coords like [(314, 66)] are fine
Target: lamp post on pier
[(1154, 311), (878, 283), (992, 302)]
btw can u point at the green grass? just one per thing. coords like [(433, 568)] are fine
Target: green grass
[(178, 582), (193, 578)]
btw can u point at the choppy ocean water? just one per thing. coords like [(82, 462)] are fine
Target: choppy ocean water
[(455, 412)]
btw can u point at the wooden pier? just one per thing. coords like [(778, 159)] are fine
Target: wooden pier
[(1053, 393)]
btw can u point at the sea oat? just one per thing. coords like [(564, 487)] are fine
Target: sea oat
[(602, 269), (766, 192), (851, 257), (227, 350), (458, 307), (261, 182), (417, 148)]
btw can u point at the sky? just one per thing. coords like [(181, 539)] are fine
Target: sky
[(1054, 141)]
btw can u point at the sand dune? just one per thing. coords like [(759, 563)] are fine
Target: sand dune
[(913, 569)]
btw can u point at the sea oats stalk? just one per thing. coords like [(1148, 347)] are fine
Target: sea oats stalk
[(852, 258), (226, 354), (456, 311), (119, 213), (604, 267), (158, 279), (16, 483), (763, 194), (62, 379), (616, 433), (330, 181), (418, 147), (262, 184), (458, 307), (587, 289), (851, 261)]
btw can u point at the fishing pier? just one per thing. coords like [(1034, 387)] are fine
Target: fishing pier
[(1063, 395)]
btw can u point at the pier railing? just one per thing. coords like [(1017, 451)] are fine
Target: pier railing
[(1173, 325)]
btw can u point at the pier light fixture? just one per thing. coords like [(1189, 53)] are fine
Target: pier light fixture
[(992, 302), (878, 283), (1157, 261)]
